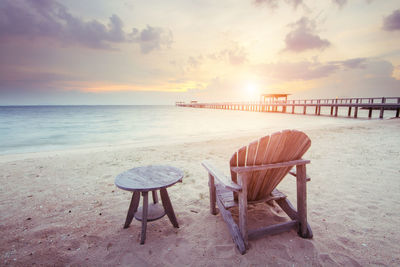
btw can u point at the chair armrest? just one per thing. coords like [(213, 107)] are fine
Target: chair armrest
[(221, 178), (293, 172), (269, 166)]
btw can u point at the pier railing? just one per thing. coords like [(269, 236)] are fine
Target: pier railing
[(352, 104)]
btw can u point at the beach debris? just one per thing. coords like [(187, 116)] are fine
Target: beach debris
[(97, 203), (194, 211), (29, 218)]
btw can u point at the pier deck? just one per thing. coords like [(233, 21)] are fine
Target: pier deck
[(352, 104)]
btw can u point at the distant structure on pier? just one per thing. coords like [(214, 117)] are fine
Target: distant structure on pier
[(274, 98)]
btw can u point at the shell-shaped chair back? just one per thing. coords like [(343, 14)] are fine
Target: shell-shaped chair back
[(278, 147)]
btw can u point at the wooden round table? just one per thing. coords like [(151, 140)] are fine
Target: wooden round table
[(143, 180)]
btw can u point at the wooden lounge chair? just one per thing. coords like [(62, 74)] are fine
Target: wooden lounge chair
[(256, 170)]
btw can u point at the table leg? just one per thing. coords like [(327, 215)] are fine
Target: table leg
[(132, 208), (144, 216), (168, 207), (155, 196)]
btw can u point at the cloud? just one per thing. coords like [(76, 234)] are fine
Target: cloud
[(306, 70), (270, 3), (273, 4), (375, 79), (295, 3), (41, 19), (235, 55), (27, 80), (340, 3), (392, 22), (194, 62), (396, 72), (302, 37), (355, 77), (152, 38), (354, 63)]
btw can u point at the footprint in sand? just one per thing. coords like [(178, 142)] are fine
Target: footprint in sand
[(326, 259), (344, 260), (225, 251)]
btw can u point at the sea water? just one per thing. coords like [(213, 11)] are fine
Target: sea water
[(44, 128)]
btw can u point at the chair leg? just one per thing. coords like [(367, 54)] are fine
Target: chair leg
[(287, 207), (232, 227), (242, 195), (211, 185), (302, 199)]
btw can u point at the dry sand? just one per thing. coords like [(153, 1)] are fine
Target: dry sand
[(62, 208)]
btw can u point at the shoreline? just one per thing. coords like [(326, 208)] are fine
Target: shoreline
[(62, 208)]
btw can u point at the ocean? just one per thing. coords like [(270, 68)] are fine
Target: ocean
[(26, 129)]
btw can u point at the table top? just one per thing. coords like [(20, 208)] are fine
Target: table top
[(148, 178)]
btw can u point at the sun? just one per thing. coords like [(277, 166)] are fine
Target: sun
[(252, 91), (251, 88)]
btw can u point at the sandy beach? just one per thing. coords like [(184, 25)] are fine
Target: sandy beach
[(62, 208)]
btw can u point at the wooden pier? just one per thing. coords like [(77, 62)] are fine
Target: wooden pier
[(352, 106)]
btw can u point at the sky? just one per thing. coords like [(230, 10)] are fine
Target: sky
[(158, 52)]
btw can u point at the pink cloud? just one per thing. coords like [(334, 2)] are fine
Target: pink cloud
[(373, 80), (340, 3), (354, 63), (235, 55), (38, 19), (303, 37), (287, 71), (392, 22), (275, 3), (306, 70)]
